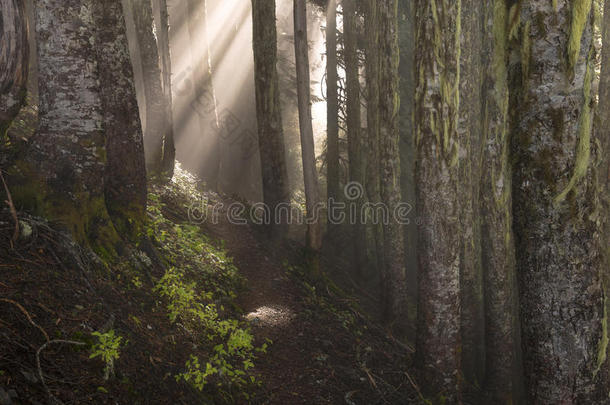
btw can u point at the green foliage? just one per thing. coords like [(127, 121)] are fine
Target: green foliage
[(108, 348), (198, 290)]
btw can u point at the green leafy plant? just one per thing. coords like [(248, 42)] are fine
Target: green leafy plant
[(108, 348)]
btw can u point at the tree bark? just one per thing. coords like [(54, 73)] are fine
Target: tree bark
[(14, 58), (406, 37), (469, 133), (169, 148), (125, 175), (332, 104), (437, 176), (310, 173), (395, 310), (354, 127), (373, 171), (504, 374), (205, 93), (156, 108), (270, 132), (559, 261)]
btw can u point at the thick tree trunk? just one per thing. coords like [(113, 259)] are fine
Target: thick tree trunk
[(354, 127), (390, 163), (125, 177), (169, 148), (559, 259), (156, 108), (205, 94), (603, 153), (437, 175), (332, 104), (469, 134), (373, 171), (310, 173), (14, 58), (504, 382), (60, 175), (270, 132)]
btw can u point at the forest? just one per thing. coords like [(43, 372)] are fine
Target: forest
[(293, 202)]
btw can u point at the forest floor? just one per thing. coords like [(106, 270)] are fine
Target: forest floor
[(322, 347)]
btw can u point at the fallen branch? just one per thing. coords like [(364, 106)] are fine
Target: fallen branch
[(44, 384), (9, 202), (27, 315), (415, 387)]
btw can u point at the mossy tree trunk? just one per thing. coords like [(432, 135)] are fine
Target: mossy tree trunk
[(354, 127), (125, 176), (205, 104), (437, 178), (268, 111), (310, 173), (504, 374), (603, 154), (79, 143), (14, 57), (156, 109), (559, 261), (469, 135)]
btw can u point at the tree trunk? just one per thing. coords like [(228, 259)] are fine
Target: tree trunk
[(169, 148), (504, 382), (332, 104), (469, 133), (156, 109), (395, 308), (437, 175), (125, 176), (270, 132), (205, 104), (603, 175), (406, 38), (373, 172), (559, 261), (354, 128), (310, 174), (14, 58), (59, 178)]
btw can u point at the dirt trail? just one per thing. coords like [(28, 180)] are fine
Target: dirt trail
[(273, 304)]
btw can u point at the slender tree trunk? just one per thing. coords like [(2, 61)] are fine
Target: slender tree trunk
[(469, 133), (169, 148), (205, 94), (395, 308), (437, 174), (14, 58), (354, 127), (559, 261), (406, 37), (332, 105), (373, 172), (310, 174), (125, 175), (268, 112), (504, 381), (156, 109)]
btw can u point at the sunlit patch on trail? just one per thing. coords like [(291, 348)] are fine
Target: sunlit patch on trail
[(271, 316)]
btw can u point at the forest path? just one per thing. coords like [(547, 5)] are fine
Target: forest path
[(293, 371)]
